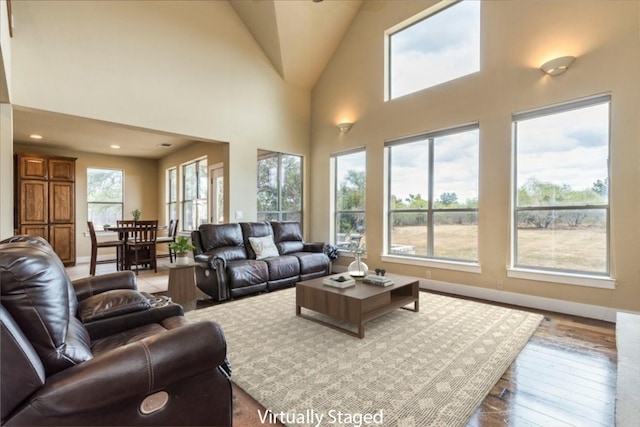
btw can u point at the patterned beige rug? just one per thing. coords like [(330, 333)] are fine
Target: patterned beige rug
[(431, 368)]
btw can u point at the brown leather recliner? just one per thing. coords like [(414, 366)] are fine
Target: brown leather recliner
[(98, 352)]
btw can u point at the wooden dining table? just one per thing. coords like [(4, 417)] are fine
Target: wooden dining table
[(123, 235)]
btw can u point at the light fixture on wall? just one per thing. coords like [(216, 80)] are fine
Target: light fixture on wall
[(345, 127), (558, 65)]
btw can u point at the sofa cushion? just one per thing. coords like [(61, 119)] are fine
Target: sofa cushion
[(283, 267), (312, 262), (263, 247), (288, 236), (254, 229), (112, 303), (224, 240), (247, 273)]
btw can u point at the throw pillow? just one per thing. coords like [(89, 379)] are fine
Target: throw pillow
[(263, 247)]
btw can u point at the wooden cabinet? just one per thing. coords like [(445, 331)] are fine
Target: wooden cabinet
[(45, 201)]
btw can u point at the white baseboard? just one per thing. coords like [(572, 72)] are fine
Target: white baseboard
[(541, 303), (549, 304)]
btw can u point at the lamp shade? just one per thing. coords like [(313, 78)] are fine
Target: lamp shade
[(345, 127), (557, 66)]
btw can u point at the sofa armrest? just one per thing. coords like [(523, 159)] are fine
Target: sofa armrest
[(313, 247), (108, 326), (133, 371), (89, 286)]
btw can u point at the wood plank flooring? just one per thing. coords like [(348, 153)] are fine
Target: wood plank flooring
[(564, 376)]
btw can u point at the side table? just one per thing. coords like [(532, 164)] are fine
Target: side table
[(182, 285)]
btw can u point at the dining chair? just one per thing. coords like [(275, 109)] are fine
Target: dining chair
[(95, 245), (169, 238), (141, 245)]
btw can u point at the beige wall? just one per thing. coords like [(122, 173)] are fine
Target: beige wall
[(139, 187), (183, 67), (517, 36)]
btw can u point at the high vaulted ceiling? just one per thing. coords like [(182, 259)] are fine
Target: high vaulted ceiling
[(298, 36)]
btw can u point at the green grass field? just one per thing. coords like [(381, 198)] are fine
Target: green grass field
[(582, 248)]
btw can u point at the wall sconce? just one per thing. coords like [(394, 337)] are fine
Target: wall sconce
[(345, 127), (557, 66)]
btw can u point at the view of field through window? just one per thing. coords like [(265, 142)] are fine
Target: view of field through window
[(562, 195), (433, 206)]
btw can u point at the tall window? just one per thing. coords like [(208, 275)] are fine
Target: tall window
[(172, 193), (105, 194), (434, 47), (194, 194), (279, 187), (433, 195), (349, 189), (561, 213)]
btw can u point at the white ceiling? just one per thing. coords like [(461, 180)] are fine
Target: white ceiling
[(299, 37)]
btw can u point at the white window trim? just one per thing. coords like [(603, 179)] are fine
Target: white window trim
[(466, 267), (563, 278), (566, 278)]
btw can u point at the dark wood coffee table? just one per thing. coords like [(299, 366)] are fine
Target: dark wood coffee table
[(357, 304)]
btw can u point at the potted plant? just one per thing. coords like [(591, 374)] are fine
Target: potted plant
[(136, 214), (181, 246)]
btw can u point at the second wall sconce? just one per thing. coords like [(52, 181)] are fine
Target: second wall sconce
[(557, 66), (345, 127)]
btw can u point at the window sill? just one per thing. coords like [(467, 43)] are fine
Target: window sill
[(563, 278), (467, 267)]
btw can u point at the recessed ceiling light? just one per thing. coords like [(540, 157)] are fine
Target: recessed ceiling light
[(114, 146), (35, 136)]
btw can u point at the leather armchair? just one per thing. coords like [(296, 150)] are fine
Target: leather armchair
[(100, 352)]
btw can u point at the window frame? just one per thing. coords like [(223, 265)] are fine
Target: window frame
[(171, 196), (280, 213), (335, 213), (197, 201), (559, 275), (410, 22), (430, 210), (121, 203)]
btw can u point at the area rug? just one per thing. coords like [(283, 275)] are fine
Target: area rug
[(431, 368)]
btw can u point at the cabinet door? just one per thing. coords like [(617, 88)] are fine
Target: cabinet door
[(62, 238), (33, 202), (61, 202), (41, 230), (32, 167), (62, 169)]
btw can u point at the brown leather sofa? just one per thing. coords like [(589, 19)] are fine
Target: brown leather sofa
[(229, 267), (98, 352)]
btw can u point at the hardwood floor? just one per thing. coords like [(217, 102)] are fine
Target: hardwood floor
[(564, 376)]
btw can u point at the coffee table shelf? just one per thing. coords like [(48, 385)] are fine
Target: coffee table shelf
[(357, 304)]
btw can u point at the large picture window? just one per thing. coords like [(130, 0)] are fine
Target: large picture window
[(279, 187), (194, 194), (105, 194), (433, 195), (561, 193), (349, 189), (438, 45)]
